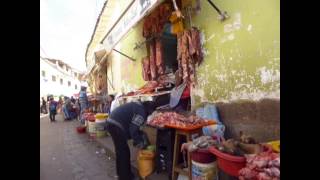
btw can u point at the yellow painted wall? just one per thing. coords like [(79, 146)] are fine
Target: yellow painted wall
[(131, 71), (242, 53)]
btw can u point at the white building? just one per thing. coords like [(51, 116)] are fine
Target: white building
[(58, 78)]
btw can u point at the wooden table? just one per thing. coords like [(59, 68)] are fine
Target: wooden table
[(178, 168)]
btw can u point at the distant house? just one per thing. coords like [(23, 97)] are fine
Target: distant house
[(58, 78)]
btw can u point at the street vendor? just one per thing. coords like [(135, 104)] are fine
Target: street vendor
[(125, 123)]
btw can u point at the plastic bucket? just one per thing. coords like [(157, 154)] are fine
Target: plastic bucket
[(100, 129), (81, 129), (203, 156), (100, 134), (91, 127), (100, 125), (228, 163), (101, 116), (201, 171), (146, 162)]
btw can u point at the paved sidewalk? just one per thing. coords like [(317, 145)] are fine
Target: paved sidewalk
[(67, 155)]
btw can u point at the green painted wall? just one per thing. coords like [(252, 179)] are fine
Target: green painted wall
[(131, 71), (242, 53)]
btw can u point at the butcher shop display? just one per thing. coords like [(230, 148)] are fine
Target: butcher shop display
[(152, 29), (152, 59), (189, 53), (178, 121), (148, 88), (146, 73), (159, 58), (263, 166), (164, 82), (155, 22)]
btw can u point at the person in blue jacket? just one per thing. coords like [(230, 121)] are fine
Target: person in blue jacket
[(83, 100), (125, 123), (52, 109)]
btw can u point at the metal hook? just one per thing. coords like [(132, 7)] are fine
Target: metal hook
[(222, 15)]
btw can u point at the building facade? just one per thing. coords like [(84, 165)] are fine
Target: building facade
[(240, 72), (58, 78)]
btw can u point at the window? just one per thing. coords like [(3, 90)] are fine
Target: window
[(61, 81), (75, 86), (75, 74), (54, 78), (69, 83), (43, 73)]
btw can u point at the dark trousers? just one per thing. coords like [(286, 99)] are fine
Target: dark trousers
[(123, 165), (52, 115)]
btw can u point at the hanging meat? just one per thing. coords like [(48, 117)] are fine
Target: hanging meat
[(159, 57), (154, 23), (152, 29), (153, 66), (189, 53), (179, 53), (195, 39), (146, 74)]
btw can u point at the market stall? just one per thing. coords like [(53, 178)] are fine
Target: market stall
[(187, 143)]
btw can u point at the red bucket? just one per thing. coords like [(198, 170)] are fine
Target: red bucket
[(228, 163)]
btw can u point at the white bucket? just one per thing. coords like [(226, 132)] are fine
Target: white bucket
[(91, 127), (100, 131), (202, 171), (100, 125), (182, 177)]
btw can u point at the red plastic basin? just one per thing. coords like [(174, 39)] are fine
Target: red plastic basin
[(203, 156), (81, 129), (228, 163)]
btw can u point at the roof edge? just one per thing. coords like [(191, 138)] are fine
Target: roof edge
[(95, 29)]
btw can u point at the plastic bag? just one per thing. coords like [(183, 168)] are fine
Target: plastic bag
[(215, 130), (209, 111)]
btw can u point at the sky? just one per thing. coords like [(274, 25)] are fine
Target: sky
[(66, 27)]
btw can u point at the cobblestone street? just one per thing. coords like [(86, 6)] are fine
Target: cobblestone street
[(67, 155)]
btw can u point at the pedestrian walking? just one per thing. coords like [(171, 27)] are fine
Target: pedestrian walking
[(66, 108), (60, 104), (44, 106), (52, 110), (83, 99)]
